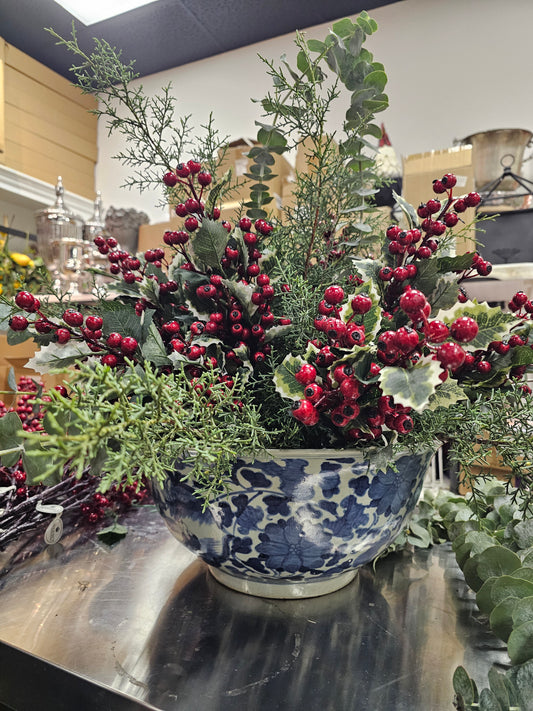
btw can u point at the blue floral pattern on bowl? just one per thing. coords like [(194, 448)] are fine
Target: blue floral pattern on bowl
[(295, 515)]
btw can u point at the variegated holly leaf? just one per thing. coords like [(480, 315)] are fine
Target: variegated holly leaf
[(446, 395), (210, 242), (493, 323), (372, 318), (285, 380), (57, 356), (243, 294), (367, 269), (382, 458), (411, 387), (275, 331), (310, 352)]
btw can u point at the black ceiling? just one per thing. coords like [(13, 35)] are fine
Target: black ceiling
[(168, 33)]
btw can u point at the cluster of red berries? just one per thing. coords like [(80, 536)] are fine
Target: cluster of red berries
[(117, 500), (75, 326), (31, 416)]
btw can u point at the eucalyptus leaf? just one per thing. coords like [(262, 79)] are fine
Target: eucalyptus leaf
[(10, 438), (501, 618), (464, 685), (523, 611), (488, 701), (520, 643)]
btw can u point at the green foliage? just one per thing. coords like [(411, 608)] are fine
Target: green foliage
[(492, 560), (137, 424)]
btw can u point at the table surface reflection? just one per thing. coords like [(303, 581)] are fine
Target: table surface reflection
[(145, 624)]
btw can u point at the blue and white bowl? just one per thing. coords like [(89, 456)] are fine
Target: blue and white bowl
[(295, 523)]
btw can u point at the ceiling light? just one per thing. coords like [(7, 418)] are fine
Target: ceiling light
[(98, 10)]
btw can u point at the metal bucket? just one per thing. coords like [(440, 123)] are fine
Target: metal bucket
[(492, 151)]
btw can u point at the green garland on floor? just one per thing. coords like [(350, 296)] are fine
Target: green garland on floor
[(492, 538)]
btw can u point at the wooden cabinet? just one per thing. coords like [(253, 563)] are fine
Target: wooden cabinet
[(46, 128)]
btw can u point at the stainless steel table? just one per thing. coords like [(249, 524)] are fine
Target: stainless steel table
[(143, 625)]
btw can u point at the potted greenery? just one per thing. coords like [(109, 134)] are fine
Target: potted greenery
[(282, 381)]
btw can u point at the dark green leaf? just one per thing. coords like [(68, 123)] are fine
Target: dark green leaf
[(508, 586), (10, 437), (523, 532), (210, 242), (16, 337), (112, 534)]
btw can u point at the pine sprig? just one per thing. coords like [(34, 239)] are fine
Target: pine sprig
[(139, 423)]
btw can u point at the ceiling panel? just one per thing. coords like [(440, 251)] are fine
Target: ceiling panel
[(168, 33)]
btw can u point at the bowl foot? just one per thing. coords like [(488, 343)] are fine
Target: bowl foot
[(283, 589)]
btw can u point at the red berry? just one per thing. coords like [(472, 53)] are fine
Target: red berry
[(204, 179), (459, 205), (449, 180), (451, 219), (422, 210), (472, 199), (484, 367), (313, 392), (73, 318), (245, 223), (114, 340), (94, 323), (450, 355), (194, 166), (464, 329), (182, 169), (438, 187), (63, 335), (436, 331), (18, 323), (385, 273), (519, 298), (334, 294), (109, 359), (393, 231), (400, 274), (306, 413), (25, 300), (361, 304), (424, 252), (412, 301), (192, 205), (170, 179), (433, 206), (191, 224), (306, 374), (406, 339), (181, 210), (128, 345)]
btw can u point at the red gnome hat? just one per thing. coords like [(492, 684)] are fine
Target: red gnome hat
[(384, 140)]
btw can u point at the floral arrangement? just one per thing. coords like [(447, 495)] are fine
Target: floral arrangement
[(19, 270), (279, 331)]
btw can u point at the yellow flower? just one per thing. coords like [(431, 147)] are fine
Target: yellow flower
[(1, 289), (21, 259), (17, 284)]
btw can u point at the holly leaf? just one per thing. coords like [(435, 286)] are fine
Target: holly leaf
[(411, 387), (57, 356), (446, 395), (285, 380), (367, 269), (112, 534), (455, 264), (210, 242), (153, 349), (243, 293), (493, 323), (121, 318), (275, 331)]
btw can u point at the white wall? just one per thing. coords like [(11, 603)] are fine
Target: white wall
[(455, 67)]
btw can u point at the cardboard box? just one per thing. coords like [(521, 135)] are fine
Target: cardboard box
[(421, 169)]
